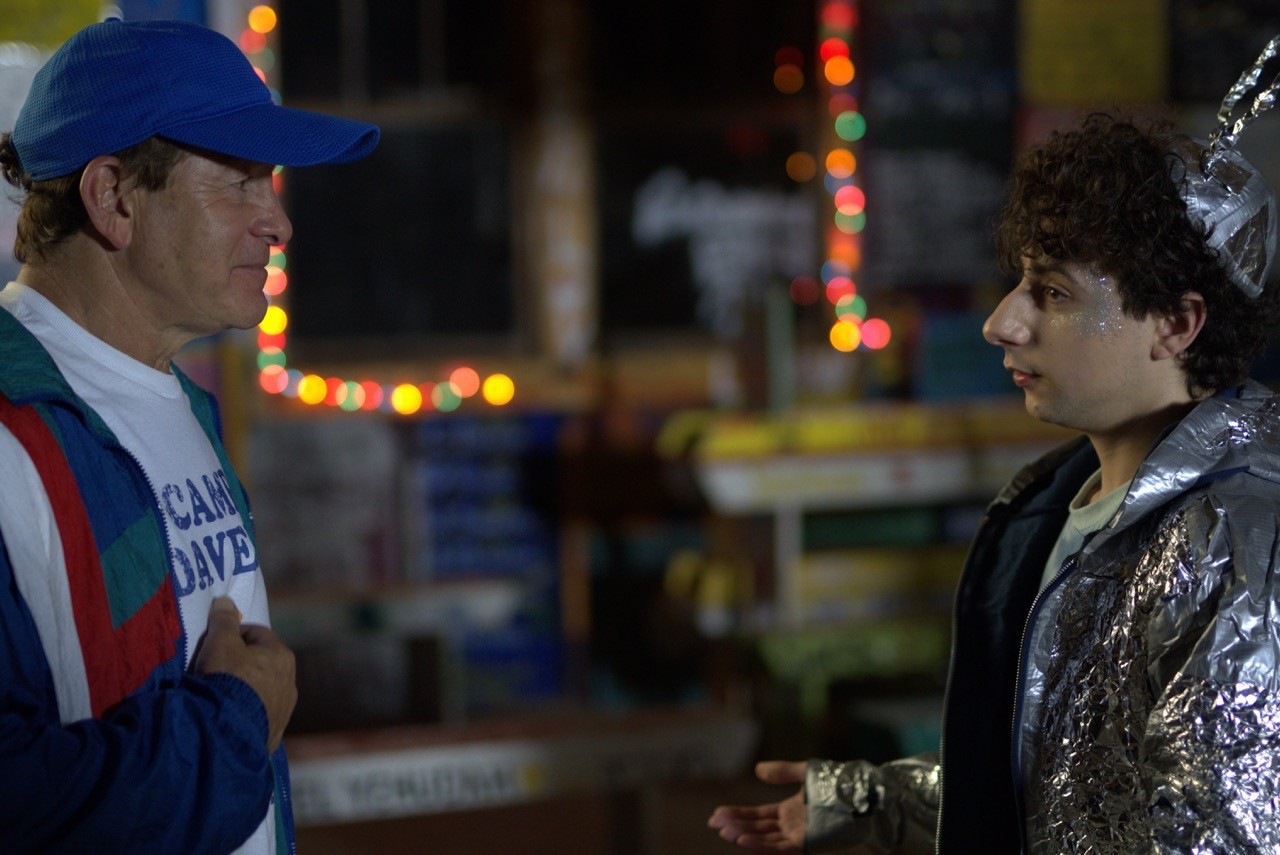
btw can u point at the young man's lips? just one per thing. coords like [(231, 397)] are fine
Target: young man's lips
[(1022, 378)]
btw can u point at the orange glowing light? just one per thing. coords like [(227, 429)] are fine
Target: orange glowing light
[(838, 71), (801, 166), (498, 389), (788, 79), (274, 321), (845, 337), (845, 248), (262, 19), (465, 381), (875, 333), (262, 75), (841, 163), (276, 281)]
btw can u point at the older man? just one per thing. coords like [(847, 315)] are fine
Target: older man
[(138, 713)]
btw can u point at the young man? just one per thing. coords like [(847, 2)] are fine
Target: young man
[(138, 713), (1115, 675)]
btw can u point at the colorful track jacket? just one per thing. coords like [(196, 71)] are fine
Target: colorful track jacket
[(170, 762), (1134, 704)]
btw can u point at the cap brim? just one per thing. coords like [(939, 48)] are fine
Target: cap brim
[(269, 133)]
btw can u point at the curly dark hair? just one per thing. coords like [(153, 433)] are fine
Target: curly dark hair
[(1104, 195), (52, 210)]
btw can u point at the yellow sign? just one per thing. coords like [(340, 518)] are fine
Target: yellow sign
[(46, 24), (1084, 53)]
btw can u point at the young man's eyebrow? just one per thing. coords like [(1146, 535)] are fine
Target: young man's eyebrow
[(1047, 267)]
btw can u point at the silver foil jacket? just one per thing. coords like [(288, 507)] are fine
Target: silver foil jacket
[(1150, 684)]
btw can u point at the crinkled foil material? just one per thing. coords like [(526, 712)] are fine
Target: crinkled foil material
[(1229, 128), (1151, 716), (892, 807), (1236, 207), (1225, 193)]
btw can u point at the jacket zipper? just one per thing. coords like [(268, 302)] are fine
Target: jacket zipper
[(1016, 731), (168, 549)]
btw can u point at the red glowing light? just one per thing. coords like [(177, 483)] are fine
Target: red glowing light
[(251, 41), (839, 16), (841, 103), (266, 340), (851, 200), (805, 290), (840, 286), (273, 379), (427, 389), (788, 56), (875, 333), (372, 395), (833, 47), (334, 387)]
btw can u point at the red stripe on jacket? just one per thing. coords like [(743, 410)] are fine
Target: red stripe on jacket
[(117, 661)]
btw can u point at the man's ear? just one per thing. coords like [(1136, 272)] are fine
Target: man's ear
[(108, 200), (1177, 330)]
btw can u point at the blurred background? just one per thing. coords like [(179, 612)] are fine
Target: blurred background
[(624, 418)]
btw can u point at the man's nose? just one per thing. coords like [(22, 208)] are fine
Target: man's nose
[(1007, 325)]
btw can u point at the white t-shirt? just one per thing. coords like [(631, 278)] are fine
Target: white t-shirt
[(210, 551), (1083, 518)]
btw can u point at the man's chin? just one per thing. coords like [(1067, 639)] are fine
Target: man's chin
[(1038, 411)]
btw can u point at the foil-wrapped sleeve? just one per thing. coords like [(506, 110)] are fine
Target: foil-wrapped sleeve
[(887, 808), (1212, 744)]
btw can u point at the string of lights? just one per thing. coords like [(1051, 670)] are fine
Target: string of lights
[(851, 328), (277, 377)]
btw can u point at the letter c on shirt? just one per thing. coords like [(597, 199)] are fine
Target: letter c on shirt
[(169, 493)]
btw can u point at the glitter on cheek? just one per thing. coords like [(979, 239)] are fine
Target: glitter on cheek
[(1102, 315)]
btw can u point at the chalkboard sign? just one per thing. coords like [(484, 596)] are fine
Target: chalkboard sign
[(696, 218), (939, 102), (412, 242)]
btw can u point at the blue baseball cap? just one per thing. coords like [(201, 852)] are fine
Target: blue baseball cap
[(116, 83)]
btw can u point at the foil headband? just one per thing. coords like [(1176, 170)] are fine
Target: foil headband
[(1226, 194)]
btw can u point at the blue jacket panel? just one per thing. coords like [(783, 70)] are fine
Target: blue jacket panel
[(177, 765)]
